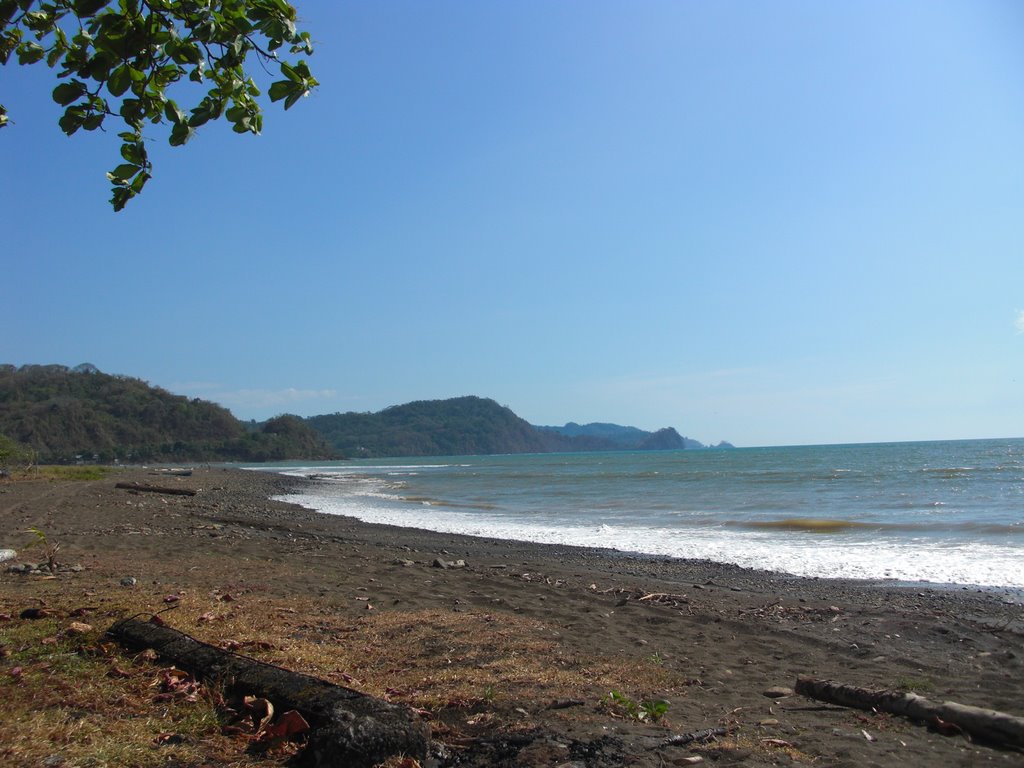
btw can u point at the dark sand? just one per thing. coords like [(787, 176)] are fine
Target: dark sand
[(736, 632)]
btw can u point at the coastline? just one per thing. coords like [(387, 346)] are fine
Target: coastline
[(709, 638), (304, 483)]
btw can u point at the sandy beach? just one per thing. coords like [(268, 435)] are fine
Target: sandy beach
[(512, 654)]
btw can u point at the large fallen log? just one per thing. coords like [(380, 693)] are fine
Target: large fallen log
[(348, 728), (156, 489), (986, 724)]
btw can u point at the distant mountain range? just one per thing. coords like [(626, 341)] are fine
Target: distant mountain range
[(70, 414), (617, 438)]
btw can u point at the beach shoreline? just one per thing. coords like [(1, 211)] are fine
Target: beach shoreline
[(735, 631), (300, 496)]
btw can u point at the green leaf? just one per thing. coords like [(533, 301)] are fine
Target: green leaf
[(71, 121), (132, 150), (140, 182), (65, 93), (120, 80), (123, 172), (86, 8), (180, 134), (172, 112), (121, 197), (7, 10), (93, 121), (200, 116), (282, 89), (30, 53), (99, 66)]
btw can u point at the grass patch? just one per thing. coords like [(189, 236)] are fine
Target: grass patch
[(61, 472), (910, 683)]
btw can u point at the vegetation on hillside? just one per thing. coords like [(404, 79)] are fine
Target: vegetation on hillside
[(81, 414), (455, 427), (474, 425), (55, 414)]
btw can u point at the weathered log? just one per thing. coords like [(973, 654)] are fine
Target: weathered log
[(156, 489), (986, 724), (349, 728)]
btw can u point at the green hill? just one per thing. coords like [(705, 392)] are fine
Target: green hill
[(456, 427), (82, 414), (464, 426), (66, 414)]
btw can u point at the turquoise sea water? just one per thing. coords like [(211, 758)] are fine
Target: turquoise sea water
[(941, 512)]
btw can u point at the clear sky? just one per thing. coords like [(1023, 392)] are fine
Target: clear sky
[(771, 223)]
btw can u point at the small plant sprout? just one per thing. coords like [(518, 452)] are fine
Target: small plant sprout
[(654, 709), (50, 549), (650, 710)]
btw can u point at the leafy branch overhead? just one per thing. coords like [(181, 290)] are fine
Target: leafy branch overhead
[(120, 59)]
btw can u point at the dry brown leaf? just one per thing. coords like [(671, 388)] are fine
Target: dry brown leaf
[(261, 711), (290, 724)]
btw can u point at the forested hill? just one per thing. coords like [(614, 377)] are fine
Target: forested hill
[(472, 425), (69, 414), (457, 427), (82, 414)]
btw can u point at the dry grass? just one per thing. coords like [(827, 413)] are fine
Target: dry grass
[(82, 698)]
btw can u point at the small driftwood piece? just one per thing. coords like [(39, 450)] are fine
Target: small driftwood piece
[(347, 727), (698, 737), (987, 724), (156, 489)]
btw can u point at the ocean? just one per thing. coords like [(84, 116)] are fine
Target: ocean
[(947, 513)]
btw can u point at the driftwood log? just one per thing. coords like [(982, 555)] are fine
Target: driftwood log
[(986, 724), (156, 489), (348, 728)]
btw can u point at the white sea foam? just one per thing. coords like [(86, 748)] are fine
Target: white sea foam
[(904, 560)]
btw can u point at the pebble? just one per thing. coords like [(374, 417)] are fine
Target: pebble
[(446, 564), (129, 581), (7, 554), (778, 691)]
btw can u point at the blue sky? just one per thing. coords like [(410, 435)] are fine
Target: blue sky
[(784, 223)]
